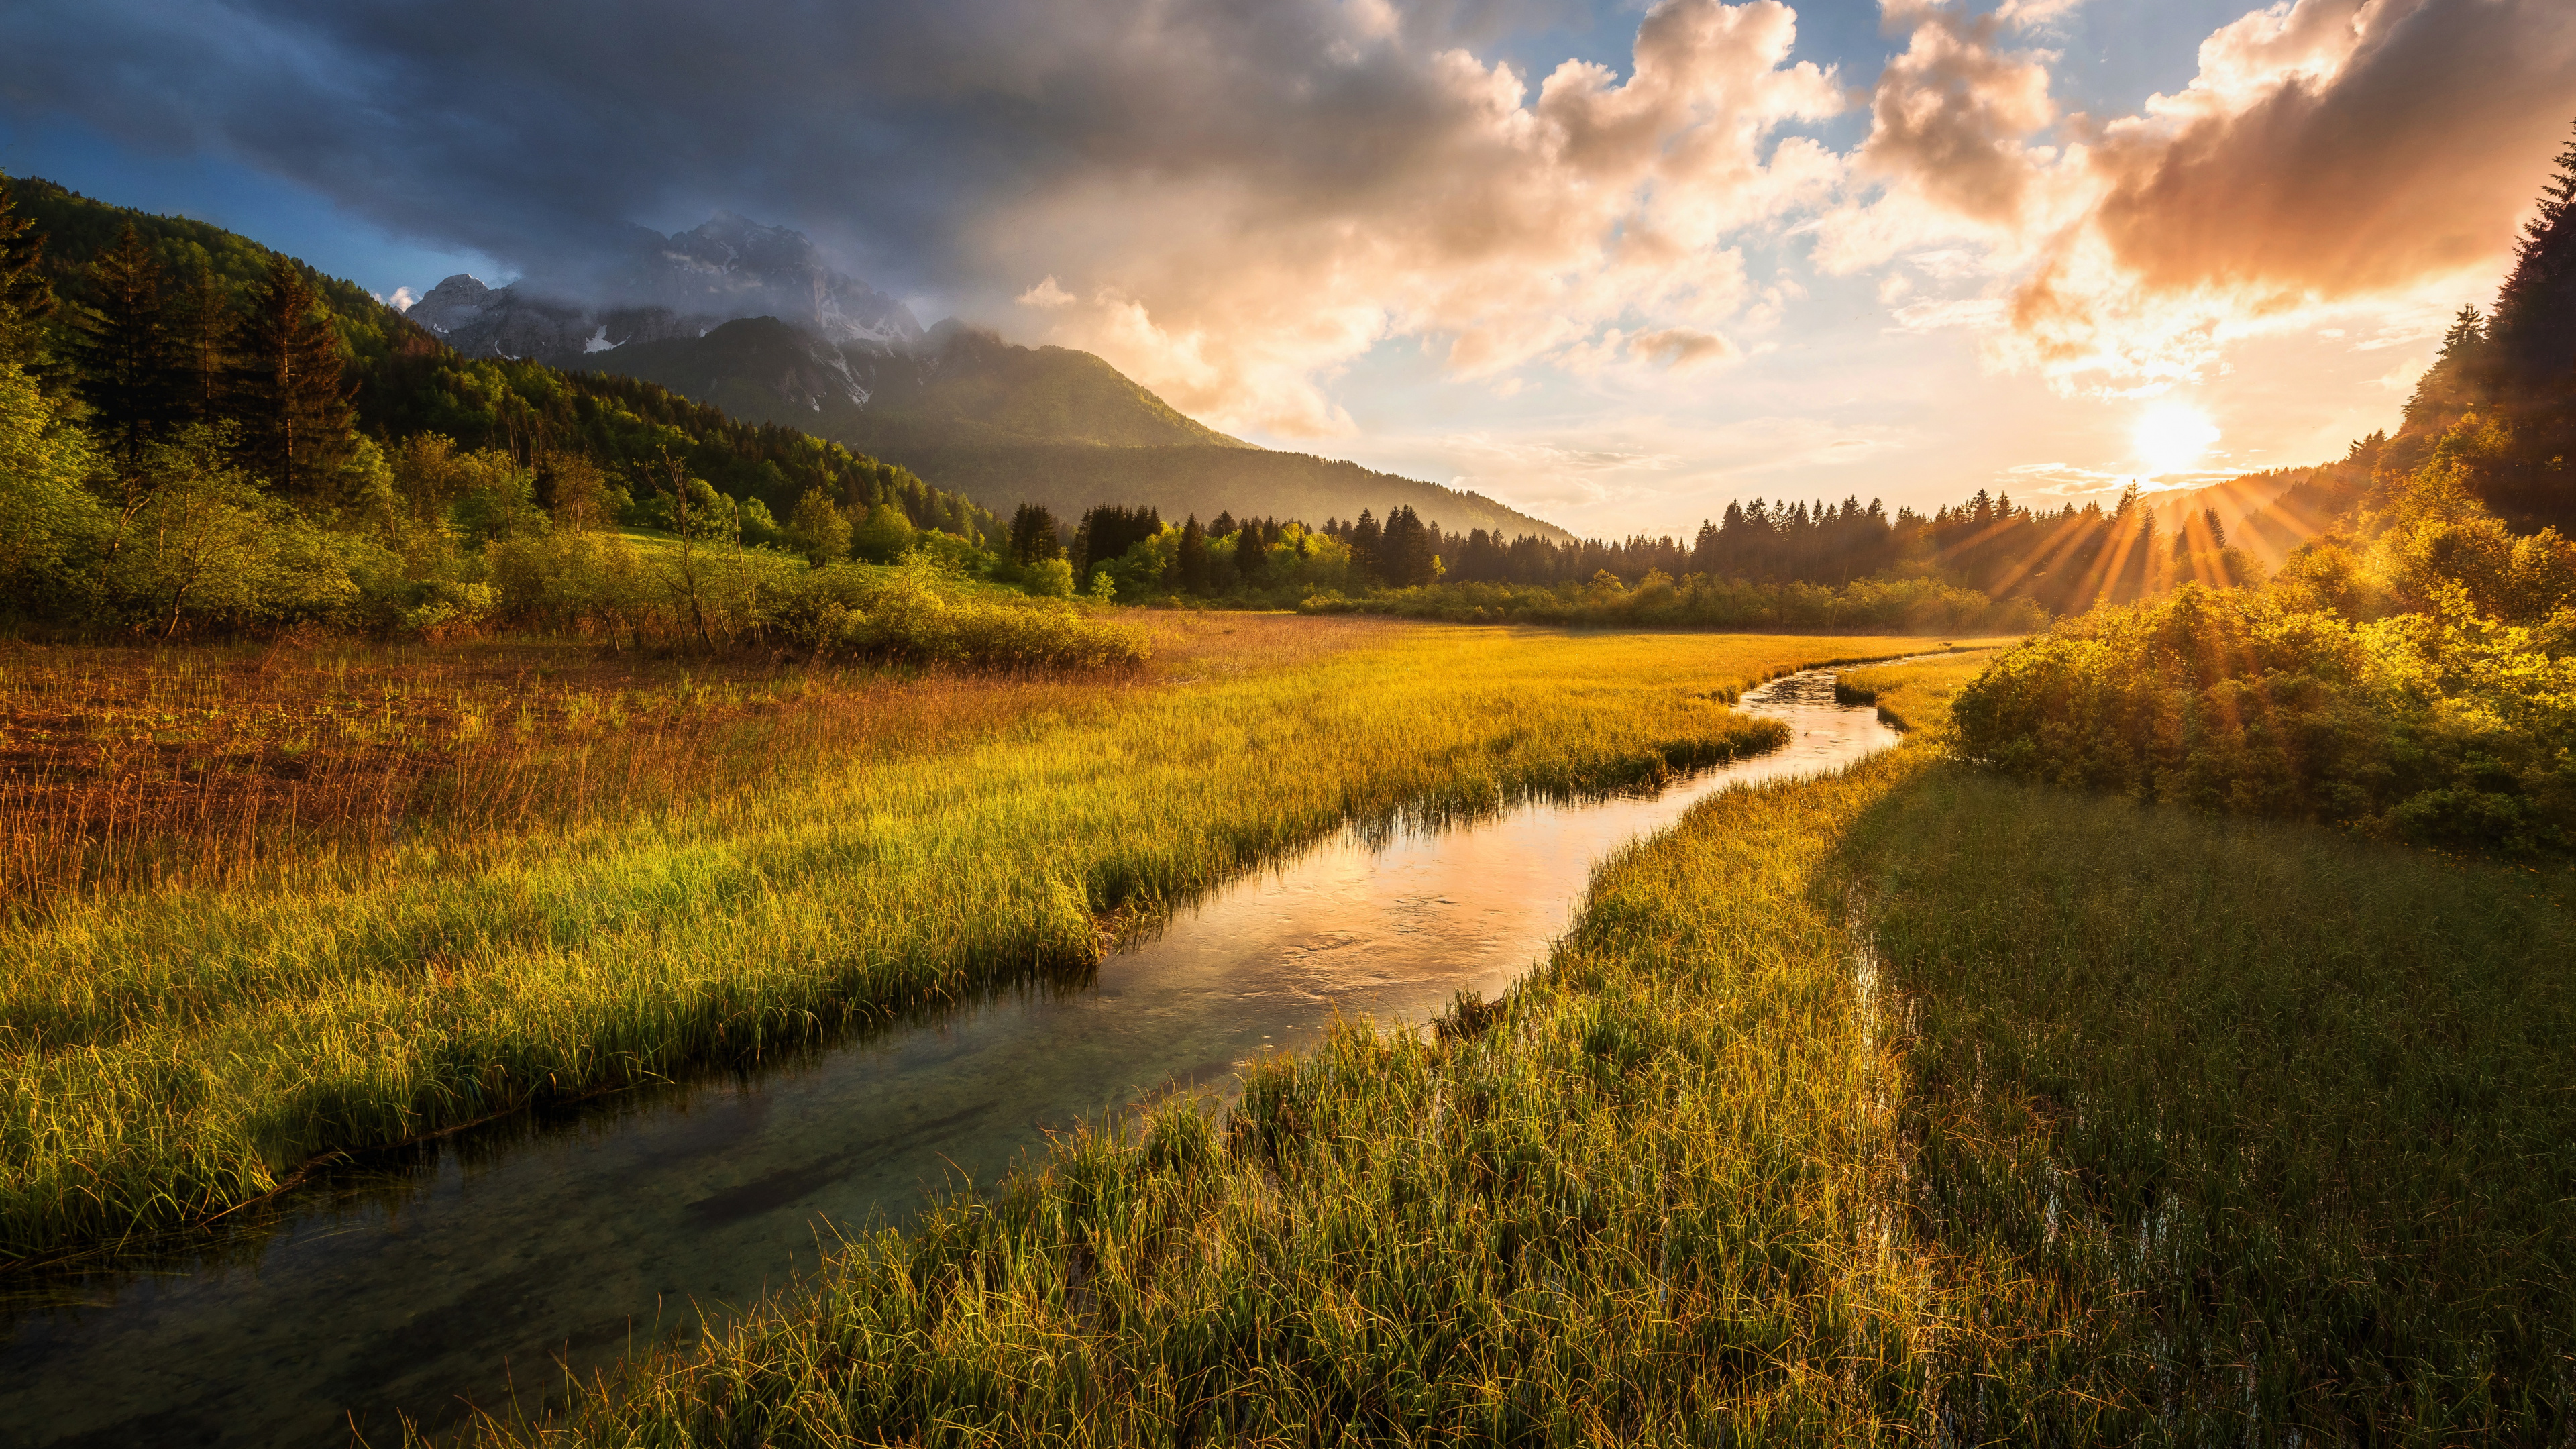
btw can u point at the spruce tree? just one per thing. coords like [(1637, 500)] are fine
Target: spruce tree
[(26, 293), (127, 362), (289, 386), (1033, 537), (201, 330), (1249, 555), (1193, 560), (1364, 548), (2534, 331)]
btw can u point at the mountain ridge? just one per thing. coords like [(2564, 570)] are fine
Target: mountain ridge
[(750, 319)]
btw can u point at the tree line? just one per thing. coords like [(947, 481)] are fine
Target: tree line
[(200, 428)]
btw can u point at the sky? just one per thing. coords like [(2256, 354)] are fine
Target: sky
[(1615, 264)]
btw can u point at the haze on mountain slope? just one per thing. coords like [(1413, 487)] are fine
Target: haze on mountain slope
[(751, 319)]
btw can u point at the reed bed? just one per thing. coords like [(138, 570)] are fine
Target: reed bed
[(173, 1052), (1901, 1106)]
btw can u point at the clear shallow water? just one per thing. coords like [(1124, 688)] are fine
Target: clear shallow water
[(447, 1273)]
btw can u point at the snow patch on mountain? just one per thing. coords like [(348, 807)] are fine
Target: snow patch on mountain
[(654, 287)]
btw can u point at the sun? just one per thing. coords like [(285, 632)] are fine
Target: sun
[(2171, 436)]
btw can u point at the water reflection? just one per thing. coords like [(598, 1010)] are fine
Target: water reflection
[(454, 1270)]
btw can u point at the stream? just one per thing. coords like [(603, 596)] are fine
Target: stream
[(469, 1269)]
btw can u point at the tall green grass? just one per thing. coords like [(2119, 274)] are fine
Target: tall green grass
[(1900, 1106), (168, 1055)]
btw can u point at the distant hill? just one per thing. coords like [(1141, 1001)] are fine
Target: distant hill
[(1007, 425), (750, 319), (410, 380)]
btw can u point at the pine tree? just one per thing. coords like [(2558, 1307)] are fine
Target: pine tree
[(26, 292), (1033, 536), (290, 388), (1249, 554), (2534, 332), (128, 365), (1364, 548), (1193, 558), (201, 329)]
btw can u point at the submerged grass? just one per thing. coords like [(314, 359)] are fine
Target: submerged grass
[(1904, 1105), (171, 1053)]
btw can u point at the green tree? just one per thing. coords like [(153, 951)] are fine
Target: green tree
[(884, 536), (1033, 535), (2534, 333), (201, 332), (703, 513), (48, 521), (578, 495), (26, 292), (125, 356), (201, 538), (1192, 561), (818, 530), (1250, 557), (1049, 578), (290, 389), (759, 526)]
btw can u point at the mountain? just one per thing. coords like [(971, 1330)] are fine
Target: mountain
[(749, 319), (648, 287), (410, 379)]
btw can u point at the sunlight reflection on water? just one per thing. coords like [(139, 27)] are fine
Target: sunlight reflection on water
[(486, 1260)]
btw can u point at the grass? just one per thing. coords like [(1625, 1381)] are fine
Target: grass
[(171, 1052), (1905, 1105)]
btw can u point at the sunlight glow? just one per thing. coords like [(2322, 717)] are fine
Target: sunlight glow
[(2171, 436)]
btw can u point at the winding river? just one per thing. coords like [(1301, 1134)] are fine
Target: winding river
[(467, 1270)]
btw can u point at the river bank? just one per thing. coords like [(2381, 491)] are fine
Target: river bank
[(1900, 1105)]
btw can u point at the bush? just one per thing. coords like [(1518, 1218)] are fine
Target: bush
[(1049, 578), (2421, 687), (920, 614)]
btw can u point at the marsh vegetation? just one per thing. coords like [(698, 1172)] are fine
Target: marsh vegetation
[(1906, 1104)]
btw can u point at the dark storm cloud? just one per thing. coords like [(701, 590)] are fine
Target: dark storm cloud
[(531, 130)]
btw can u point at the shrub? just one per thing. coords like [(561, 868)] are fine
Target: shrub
[(2421, 687), (1049, 578)]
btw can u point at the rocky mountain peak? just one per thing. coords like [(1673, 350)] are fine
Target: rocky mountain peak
[(654, 287)]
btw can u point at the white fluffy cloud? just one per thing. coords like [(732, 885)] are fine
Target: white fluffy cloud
[(1504, 224), (2328, 155)]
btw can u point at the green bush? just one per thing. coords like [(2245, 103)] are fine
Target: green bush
[(921, 614), (2421, 687), (1049, 578)]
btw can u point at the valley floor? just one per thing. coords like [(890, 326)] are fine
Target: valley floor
[(1901, 1105), (274, 906)]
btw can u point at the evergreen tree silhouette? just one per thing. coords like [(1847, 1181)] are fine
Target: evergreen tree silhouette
[(1193, 560), (2534, 332), (127, 360), (289, 385), (26, 292)]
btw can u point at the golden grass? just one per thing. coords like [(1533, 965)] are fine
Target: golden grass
[(1899, 1106), (173, 1051)]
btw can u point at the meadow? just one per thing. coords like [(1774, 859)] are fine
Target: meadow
[(1907, 1104), (217, 978)]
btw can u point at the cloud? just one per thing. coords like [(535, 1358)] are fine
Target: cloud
[(2328, 155), (1233, 198), (1949, 115), (400, 298), (1681, 349), (1046, 295), (1501, 223)]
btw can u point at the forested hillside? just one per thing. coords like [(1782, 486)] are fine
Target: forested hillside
[(205, 434)]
